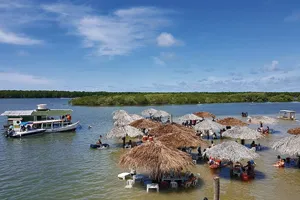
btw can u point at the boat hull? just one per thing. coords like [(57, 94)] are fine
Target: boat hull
[(68, 128), (27, 133)]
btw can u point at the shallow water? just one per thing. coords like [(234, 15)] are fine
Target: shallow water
[(62, 166)]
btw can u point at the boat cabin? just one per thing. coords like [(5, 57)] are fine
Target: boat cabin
[(38, 116), (287, 114)]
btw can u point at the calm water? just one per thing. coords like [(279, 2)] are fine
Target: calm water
[(62, 166)]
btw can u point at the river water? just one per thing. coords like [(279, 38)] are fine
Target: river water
[(62, 166)]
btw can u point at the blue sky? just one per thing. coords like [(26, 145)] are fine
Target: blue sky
[(135, 45)]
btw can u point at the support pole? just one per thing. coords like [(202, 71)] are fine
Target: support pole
[(216, 188)]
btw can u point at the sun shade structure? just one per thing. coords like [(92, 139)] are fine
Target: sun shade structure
[(288, 146), (178, 140), (149, 111), (119, 114), (145, 123), (242, 132), (231, 151), (161, 113), (189, 117), (135, 117), (230, 121), (156, 158), (208, 125), (123, 131), (294, 131), (204, 114), (171, 128), (123, 121), (262, 119)]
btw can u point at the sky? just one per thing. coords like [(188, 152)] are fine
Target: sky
[(150, 46)]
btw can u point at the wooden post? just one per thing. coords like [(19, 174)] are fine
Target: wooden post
[(216, 188)]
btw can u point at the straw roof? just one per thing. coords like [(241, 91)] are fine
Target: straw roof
[(184, 139), (170, 128), (288, 146), (204, 114), (119, 114), (242, 132), (123, 121), (145, 123), (135, 117), (161, 113), (189, 117), (232, 151), (263, 119), (294, 131), (122, 131), (208, 125), (156, 158), (149, 111), (230, 121)]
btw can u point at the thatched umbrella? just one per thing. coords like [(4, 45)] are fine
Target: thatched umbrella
[(145, 123), (135, 117), (204, 114), (156, 158), (123, 121), (183, 139), (170, 128), (123, 131), (294, 131), (230, 121), (149, 112), (161, 113), (208, 125), (119, 114), (262, 119), (288, 146), (231, 151), (242, 132), (189, 117)]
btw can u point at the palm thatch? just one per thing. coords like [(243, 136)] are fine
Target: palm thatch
[(123, 131), (183, 139), (262, 119), (135, 117), (204, 114), (161, 113), (170, 128), (294, 131), (119, 114), (230, 121), (288, 146), (231, 151), (149, 111), (242, 132), (208, 125), (156, 158), (189, 117), (123, 120), (145, 123)]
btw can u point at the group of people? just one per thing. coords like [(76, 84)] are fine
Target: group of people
[(245, 172)]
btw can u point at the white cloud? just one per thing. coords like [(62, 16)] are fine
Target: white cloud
[(167, 40), (12, 38), (167, 55), (20, 78), (117, 33), (159, 61), (272, 67)]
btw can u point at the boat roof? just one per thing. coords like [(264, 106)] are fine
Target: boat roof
[(47, 121), (287, 111), (50, 112)]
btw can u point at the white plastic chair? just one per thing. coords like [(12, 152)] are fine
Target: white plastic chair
[(174, 185), (129, 183), (195, 182), (195, 162)]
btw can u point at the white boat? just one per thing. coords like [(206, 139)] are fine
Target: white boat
[(52, 120), (19, 134)]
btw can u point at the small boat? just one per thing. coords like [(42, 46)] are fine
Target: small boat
[(99, 146), (287, 115), (18, 134)]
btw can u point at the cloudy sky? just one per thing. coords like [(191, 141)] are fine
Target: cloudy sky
[(150, 45)]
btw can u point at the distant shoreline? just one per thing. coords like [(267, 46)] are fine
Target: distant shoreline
[(82, 98)]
